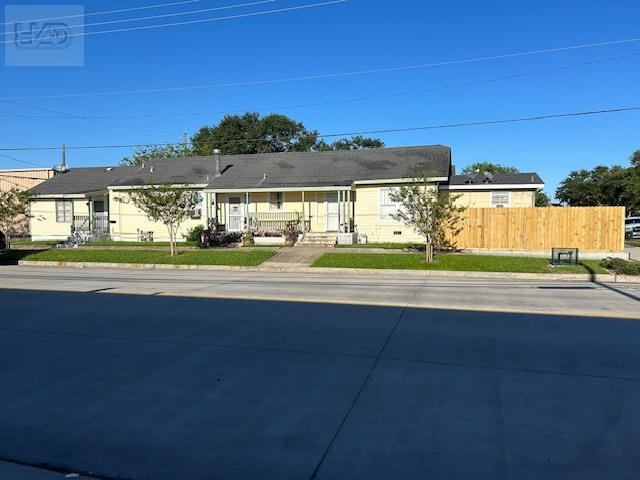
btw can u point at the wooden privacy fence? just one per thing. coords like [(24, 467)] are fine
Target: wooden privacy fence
[(536, 228)]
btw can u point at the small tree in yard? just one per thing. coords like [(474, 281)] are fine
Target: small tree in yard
[(165, 204), (14, 208), (429, 212)]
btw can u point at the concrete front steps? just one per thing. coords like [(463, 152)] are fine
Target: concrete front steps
[(319, 239)]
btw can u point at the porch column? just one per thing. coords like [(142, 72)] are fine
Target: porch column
[(246, 210), (304, 221)]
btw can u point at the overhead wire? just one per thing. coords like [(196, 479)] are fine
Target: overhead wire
[(327, 75), (364, 132)]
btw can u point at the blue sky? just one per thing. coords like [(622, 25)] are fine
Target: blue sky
[(351, 36)]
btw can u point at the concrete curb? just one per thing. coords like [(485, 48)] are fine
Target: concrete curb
[(569, 277)]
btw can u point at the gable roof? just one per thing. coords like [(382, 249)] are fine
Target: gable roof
[(498, 179), (269, 170)]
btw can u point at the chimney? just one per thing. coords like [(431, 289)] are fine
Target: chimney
[(216, 157)]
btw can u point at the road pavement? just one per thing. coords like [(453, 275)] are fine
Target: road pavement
[(156, 375)]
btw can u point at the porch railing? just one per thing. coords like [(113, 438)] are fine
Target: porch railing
[(272, 221), (97, 225)]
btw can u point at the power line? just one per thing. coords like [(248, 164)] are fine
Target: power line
[(145, 7), (19, 177), (328, 75), (164, 15), (338, 101), (204, 20), (26, 162), (363, 132)]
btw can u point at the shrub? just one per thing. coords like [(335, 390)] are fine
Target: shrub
[(195, 234), (620, 266), (291, 231)]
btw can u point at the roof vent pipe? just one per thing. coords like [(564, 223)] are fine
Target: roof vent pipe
[(216, 157)]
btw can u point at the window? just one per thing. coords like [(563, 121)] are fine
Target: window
[(500, 199), (64, 211), (387, 206), (197, 208), (276, 201)]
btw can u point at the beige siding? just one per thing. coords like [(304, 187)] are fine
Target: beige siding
[(482, 199), (23, 179), (44, 225), (369, 223), (127, 220)]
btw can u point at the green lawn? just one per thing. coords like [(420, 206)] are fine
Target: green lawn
[(113, 243), (28, 241), (386, 246), (475, 263), (632, 243), (196, 257)]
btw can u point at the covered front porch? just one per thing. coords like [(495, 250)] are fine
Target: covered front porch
[(321, 210)]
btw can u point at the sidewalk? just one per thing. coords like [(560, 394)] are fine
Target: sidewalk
[(296, 257)]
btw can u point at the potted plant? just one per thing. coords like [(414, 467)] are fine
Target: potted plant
[(290, 233), (247, 240)]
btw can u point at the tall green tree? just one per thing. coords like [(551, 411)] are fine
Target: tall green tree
[(357, 142), (149, 152), (252, 133), (613, 186), (14, 209), (542, 199), (489, 167)]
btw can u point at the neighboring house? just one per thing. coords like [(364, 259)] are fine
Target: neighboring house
[(326, 192), (23, 179)]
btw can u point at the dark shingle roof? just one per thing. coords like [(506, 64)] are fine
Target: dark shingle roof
[(79, 180), (291, 169), (498, 179)]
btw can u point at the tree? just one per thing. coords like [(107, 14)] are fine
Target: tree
[(252, 133), (431, 213), (143, 154), (542, 200), (357, 142), (488, 167), (14, 208), (166, 204), (614, 186)]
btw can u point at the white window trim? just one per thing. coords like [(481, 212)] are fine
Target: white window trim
[(500, 192), (380, 218), (271, 208), (70, 202)]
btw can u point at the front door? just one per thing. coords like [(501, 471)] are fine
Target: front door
[(235, 219), (332, 209)]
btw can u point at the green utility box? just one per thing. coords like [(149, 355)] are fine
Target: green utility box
[(564, 256)]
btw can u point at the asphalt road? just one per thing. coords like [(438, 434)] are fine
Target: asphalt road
[(164, 385)]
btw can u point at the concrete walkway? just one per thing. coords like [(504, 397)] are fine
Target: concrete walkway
[(296, 257), (634, 252)]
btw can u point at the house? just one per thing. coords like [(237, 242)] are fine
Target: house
[(325, 192), (22, 179)]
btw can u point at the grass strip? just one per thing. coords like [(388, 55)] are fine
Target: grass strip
[(454, 262), (249, 258)]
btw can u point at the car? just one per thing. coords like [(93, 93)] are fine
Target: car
[(632, 226), (3, 241)]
